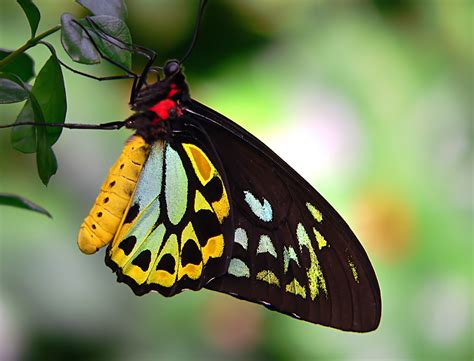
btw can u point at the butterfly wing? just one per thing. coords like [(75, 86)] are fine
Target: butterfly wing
[(172, 235), (292, 252)]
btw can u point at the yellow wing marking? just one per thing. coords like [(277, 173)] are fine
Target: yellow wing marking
[(320, 239), (162, 277), (268, 277), (143, 237), (102, 222), (316, 213), (135, 272), (201, 163), (201, 203), (222, 206), (295, 288), (205, 171), (215, 245), (191, 270), (314, 272), (148, 248), (354, 270), (214, 248)]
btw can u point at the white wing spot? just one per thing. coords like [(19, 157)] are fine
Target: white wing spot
[(265, 245), (240, 237), (302, 235), (262, 211), (288, 254), (238, 268)]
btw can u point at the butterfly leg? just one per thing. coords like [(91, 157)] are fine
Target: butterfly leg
[(99, 78), (143, 123)]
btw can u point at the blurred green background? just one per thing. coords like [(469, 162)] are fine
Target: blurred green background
[(371, 101)]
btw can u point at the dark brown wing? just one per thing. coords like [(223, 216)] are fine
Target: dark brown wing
[(292, 251)]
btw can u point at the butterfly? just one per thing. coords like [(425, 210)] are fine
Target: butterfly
[(195, 201)]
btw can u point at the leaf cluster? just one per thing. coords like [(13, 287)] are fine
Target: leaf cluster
[(101, 35)]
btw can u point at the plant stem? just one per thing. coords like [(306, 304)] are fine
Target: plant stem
[(30, 43)]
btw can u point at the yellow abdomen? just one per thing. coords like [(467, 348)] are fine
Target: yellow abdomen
[(103, 220)]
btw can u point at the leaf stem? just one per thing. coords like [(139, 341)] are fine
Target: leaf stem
[(30, 43)]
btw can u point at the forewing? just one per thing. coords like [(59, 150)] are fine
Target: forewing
[(292, 251)]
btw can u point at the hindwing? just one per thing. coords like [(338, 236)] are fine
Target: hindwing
[(173, 234), (291, 251)]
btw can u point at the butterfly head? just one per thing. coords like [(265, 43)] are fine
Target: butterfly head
[(170, 86), (171, 67), (159, 103)]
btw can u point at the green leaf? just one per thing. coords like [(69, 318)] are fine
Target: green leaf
[(45, 158), (23, 138), (83, 43), (21, 202), (32, 13), (46, 103), (115, 8), (111, 48), (50, 93), (11, 91), (22, 65), (76, 42)]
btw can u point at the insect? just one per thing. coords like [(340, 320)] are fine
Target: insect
[(195, 201)]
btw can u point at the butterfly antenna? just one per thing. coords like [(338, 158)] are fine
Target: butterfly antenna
[(197, 27)]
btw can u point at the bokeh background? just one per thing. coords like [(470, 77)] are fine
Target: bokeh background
[(370, 100)]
